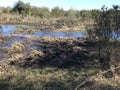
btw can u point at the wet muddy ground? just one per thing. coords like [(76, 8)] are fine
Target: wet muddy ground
[(30, 38), (11, 45)]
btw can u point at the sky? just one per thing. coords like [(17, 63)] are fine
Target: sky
[(65, 4)]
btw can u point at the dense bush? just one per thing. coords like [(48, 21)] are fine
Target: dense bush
[(106, 32), (22, 8)]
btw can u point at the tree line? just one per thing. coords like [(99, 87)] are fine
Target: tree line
[(43, 12)]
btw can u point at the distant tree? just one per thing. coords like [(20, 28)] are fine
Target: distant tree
[(57, 12), (71, 14), (22, 8), (42, 12), (94, 13), (78, 14), (85, 13)]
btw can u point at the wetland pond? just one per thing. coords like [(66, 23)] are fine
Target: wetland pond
[(13, 29), (19, 33)]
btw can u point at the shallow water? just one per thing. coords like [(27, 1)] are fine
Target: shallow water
[(9, 29), (59, 34)]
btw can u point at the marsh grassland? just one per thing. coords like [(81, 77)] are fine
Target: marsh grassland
[(54, 64), (59, 50)]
